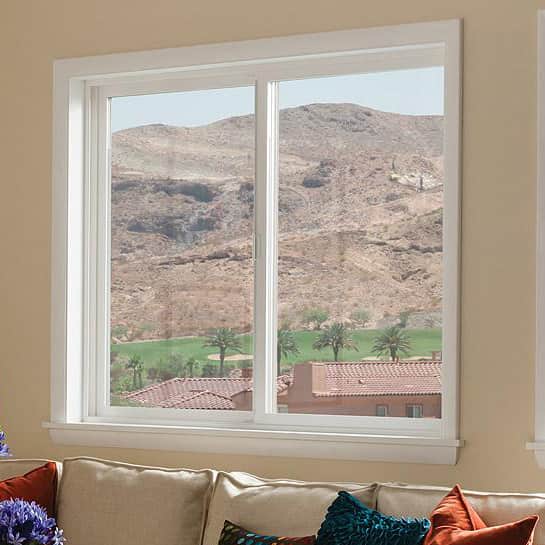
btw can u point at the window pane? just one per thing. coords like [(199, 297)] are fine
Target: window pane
[(415, 411), (360, 243), (182, 198)]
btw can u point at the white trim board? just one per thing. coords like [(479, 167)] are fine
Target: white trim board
[(538, 445), (302, 46)]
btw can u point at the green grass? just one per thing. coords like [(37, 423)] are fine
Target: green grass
[(424, 341)]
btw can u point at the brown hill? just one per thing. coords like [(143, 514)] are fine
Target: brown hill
[(360, 220)]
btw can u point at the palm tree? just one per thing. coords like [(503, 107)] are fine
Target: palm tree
[(392, 341), (136, 364), (285, 345), (337, 337), (223, 338)]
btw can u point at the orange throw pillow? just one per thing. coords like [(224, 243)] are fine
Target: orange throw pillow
[(455, 522), (39, 485)]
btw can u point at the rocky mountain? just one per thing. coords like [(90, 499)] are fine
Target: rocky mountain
[(360, 220)]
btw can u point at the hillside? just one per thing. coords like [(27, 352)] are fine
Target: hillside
[(360, 220)]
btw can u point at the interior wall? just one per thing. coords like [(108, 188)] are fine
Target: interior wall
[(498, 212)]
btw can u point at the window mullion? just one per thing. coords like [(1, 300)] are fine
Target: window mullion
[(101, 233), (90, 369), (266, 207)]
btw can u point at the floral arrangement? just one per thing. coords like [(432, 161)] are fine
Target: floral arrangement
[(4, 449), (23, 522), (26, 523)]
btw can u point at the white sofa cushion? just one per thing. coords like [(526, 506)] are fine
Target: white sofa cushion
[(494, 508), (274, 507), (102, 502), (10, 467)]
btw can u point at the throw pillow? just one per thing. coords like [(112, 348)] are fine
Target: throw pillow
[(235, 535), (455, 522), (350, 522), (39, 485)]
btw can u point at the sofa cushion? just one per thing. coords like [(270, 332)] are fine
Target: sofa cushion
[(350, 522), (235, 535), (274, 507), (123, 504), (38, 485), (11, 467), (494, 508), (455, 522)]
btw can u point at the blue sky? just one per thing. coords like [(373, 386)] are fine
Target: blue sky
[(413, 92)]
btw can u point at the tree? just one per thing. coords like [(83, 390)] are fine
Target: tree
[(315, 316), (136, 365), (337, 337), (209, 370), (285, 345), (360, 317), (223, 338), (392, 341), (172, 367), (191, 365)]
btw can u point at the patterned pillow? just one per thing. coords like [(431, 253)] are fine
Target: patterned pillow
[(350, 522), (235, 535)]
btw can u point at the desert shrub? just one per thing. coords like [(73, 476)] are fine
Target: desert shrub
[(361, 317), (315, 317), (117, 371), (122, 384), (210, 370), (313, 181), (141, 329), (246, 192), (391, 197), (123, 185), (203, 223), (171, 367), (200, 192), (398, 207), (119, 330)]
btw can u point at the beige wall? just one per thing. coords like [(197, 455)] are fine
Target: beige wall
[(498, 210)]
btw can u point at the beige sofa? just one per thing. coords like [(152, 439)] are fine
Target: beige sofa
[(110, 503)]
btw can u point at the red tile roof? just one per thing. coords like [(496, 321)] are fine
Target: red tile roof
[(198, 393), (341, 380), (381, 378), (181, 390), (200, 400)]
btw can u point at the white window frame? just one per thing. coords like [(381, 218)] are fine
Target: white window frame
[(80, 413)]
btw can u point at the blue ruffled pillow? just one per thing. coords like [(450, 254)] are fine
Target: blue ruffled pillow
[(350, 522)]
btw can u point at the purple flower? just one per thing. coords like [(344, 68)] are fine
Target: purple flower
[(26, 523), (4, 449)]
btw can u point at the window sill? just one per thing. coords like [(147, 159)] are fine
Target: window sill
[(258, 442)]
